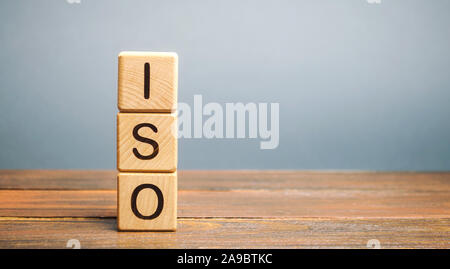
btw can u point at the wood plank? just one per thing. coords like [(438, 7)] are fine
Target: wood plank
[(396, 203), (58, 179), (313, 203), (313, 180), (234, 180), (230, 233), (56, 203)]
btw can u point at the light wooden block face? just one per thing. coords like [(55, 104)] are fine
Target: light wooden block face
[(148, 81), (146, 142), (147, 202)]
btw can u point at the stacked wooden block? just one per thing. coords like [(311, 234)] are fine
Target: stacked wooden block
[(147, 141)]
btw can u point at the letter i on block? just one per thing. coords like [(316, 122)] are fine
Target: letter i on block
[(147, 141)]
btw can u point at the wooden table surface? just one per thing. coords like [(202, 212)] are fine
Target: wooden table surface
[(233, 209)]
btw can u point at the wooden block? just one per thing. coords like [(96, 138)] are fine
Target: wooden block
[(148, 81), (146, 142), (147, 201)]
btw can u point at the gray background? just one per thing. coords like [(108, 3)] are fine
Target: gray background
[(360, 86)]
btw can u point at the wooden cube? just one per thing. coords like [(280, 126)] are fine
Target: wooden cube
[(147, 202), (148, 81), (146, 142)]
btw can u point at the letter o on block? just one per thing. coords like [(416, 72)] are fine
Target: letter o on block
[(160, 202), (147, 201)]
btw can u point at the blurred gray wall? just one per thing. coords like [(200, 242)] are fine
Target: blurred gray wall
[(360, 86)]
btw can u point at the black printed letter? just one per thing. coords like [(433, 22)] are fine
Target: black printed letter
[(134, 201), (145, 140)]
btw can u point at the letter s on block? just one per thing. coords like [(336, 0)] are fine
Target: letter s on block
[(135, 194), (145, 140)]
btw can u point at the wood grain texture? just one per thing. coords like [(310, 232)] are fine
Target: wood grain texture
[(165, 135), (230, 233), (234, 180), (237, 203), (58, 203), (163, 82), (58, 179), (147, 202), (234, 209)]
